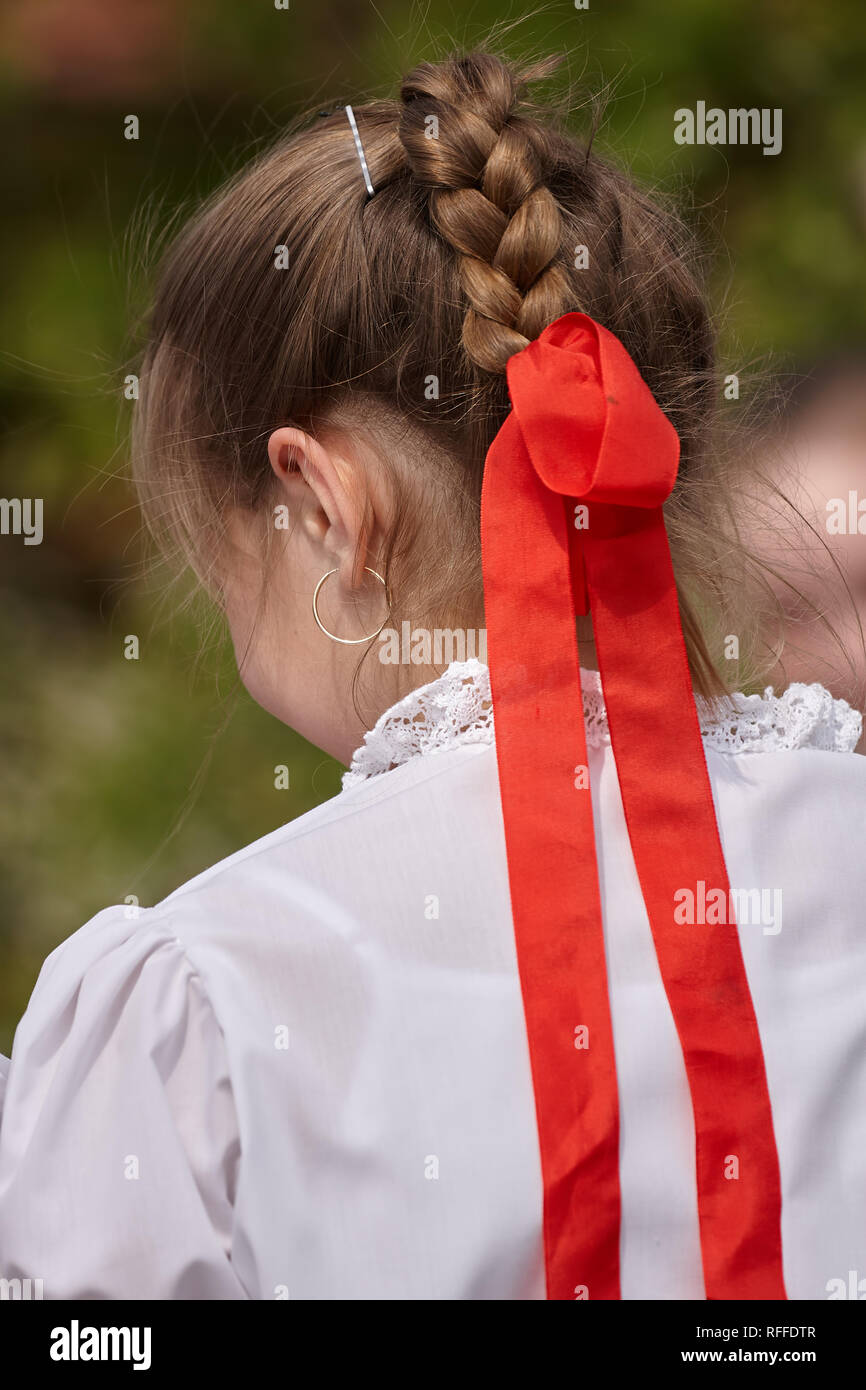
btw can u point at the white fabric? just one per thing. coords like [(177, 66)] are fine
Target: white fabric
[(458, 708), (158, 1140)]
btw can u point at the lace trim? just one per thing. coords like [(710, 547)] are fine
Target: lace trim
[(456, 708)]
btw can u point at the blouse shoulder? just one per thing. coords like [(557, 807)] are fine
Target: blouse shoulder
[(118, 1123)]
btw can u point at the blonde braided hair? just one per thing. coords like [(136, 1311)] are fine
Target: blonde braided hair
[(486, 166)]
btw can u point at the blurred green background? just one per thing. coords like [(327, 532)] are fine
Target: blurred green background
[(100, 753)]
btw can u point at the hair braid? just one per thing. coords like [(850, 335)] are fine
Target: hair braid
[(486, 168)]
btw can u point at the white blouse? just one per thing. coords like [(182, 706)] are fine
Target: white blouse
[(305, 1073)]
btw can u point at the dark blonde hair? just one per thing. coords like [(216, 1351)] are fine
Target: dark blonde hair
[(467, 249)]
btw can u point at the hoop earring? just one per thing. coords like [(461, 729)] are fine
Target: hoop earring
[(348, 641)]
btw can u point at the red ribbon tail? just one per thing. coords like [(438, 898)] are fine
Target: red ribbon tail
[(669, 811), (547, 811)]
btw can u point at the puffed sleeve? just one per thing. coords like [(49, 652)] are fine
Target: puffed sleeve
[(118, 1138)]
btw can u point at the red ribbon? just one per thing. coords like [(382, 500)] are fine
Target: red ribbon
[(571, 514)]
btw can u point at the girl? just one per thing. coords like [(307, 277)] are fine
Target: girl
[(571, 1012)]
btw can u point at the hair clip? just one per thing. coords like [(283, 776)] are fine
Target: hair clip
[(360, 148)]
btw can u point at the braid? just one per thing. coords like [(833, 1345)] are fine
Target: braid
[(486, 171)]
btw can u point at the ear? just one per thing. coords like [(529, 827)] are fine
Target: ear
[(321, 486)]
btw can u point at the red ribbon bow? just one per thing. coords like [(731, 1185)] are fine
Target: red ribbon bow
[(571, 517)]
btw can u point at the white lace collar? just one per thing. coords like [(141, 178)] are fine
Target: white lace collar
[(456, 708)]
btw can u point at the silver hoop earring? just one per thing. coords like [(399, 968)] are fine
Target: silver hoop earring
[(348, 641)]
